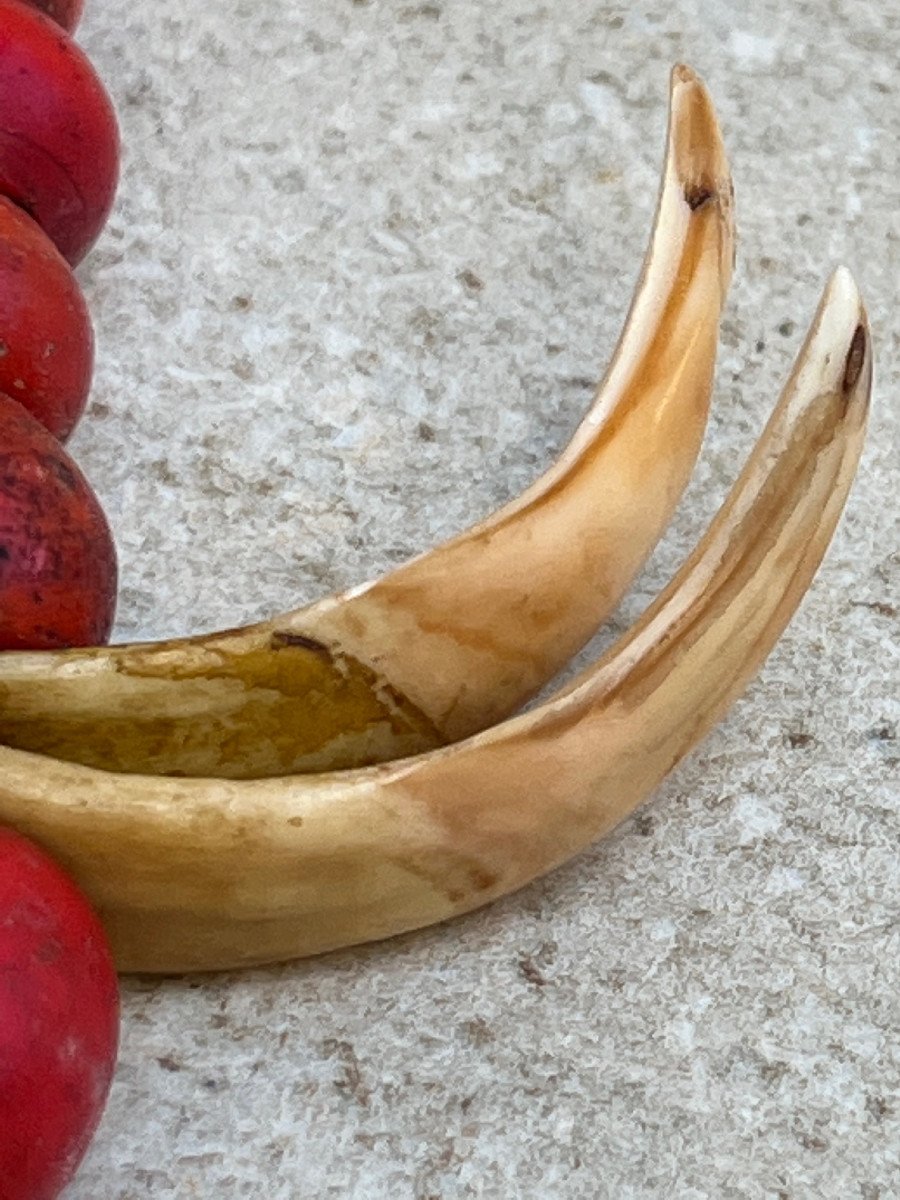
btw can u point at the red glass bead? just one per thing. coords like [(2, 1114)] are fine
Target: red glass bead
[(57, 557), (64, 12), (59, 1023), (59, 142), (46, 340)]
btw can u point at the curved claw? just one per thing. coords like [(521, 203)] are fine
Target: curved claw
[(201, 874), (465, 634)]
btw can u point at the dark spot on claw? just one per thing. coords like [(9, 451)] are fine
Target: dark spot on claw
[(856, 357), (284, 639), (698, 194), (482, 880)]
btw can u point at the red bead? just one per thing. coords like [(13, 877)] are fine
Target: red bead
[(64, 12), (57, 556), (59, 1023), (59, 142), (46, 340)]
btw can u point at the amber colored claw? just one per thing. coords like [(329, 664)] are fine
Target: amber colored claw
[(465, 634), (197, 874)]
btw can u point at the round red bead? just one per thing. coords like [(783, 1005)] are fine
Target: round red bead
[(59, 1023), (46, 340), (59, 142), (57, 557)]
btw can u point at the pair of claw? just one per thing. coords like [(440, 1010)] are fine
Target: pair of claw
[(338, 774)]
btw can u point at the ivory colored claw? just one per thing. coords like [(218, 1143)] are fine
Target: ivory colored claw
[(462, 636), (195, 874)]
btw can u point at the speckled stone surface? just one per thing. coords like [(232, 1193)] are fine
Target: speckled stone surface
[(367, 261)]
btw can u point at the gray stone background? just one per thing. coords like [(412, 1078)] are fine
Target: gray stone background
[(367, 261)]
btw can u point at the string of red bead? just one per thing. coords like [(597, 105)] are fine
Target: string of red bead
[(59, 162), (59, 165)]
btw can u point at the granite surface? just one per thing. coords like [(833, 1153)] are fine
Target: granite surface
[(368, 259)]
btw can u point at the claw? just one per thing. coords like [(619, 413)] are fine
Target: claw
[(197, 874)]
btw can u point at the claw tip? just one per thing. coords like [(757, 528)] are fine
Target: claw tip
[(842, 321), (843, 286), (682, 73)]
